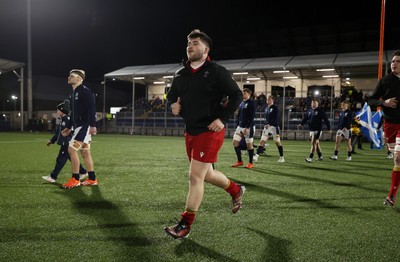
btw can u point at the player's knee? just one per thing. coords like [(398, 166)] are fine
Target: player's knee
[(85, 150), (84, 153)]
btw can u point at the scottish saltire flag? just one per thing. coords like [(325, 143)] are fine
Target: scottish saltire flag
[(376, 120), (369, 125)]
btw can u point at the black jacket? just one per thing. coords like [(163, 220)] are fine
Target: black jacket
[(57, 137), (83, 108), (315, 117), (345, 119), (246, 113), (202, 95), (387, 87), (272, 115)]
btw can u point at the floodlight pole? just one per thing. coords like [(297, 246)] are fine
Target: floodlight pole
[(283, 102), (21, 95), (133, 104), (29, 61), (104, 103), (332, 114), (21, 103)]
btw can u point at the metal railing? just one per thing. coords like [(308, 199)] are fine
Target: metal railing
[(165, 123)]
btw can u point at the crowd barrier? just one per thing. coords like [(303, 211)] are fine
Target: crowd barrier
[(165, 124)]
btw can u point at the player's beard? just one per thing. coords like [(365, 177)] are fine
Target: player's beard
[(195, 56)]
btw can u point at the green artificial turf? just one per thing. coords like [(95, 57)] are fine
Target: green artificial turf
[(292, 211)]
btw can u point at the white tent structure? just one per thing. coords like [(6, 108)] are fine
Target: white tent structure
[(7, 66), (356, 65)]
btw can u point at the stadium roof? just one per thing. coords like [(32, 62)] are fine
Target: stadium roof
[(8, 65), (355, 65)]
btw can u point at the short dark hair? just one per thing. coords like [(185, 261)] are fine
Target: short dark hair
[(316, 99), (396, 53), (272, 97), (248, 90), (196, 33)]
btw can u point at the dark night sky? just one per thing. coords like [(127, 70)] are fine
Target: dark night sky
[(101, 36)]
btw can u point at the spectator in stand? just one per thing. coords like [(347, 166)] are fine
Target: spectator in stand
[(261, 99), (54, 124)]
